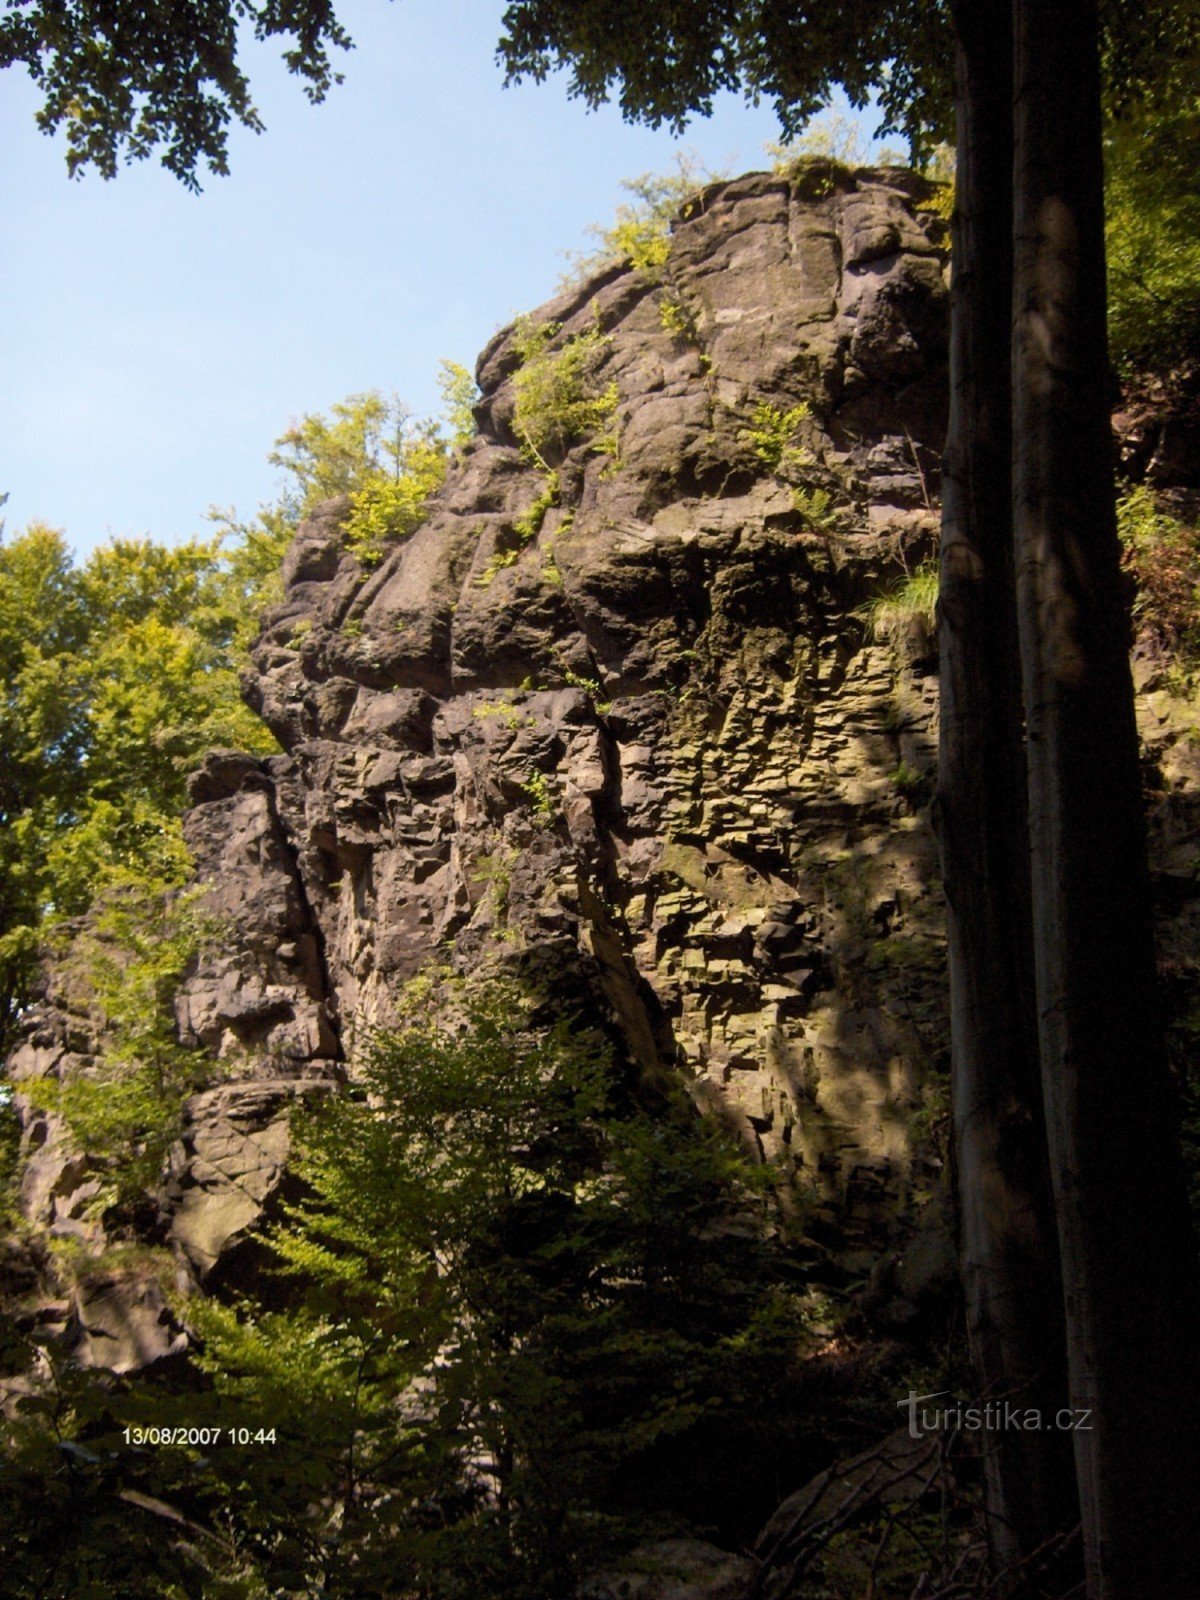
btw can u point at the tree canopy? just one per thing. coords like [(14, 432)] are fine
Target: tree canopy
[(666, 62), (497, 1336), (118, 674), (127, 79), (1153, 228)]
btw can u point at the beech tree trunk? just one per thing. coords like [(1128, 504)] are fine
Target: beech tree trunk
[(1007, 1241), (1127, 1250)]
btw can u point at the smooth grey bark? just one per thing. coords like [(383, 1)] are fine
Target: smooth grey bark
[(1007, 1241), (1127, 1249)]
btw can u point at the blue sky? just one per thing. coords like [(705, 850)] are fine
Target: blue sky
[(157, 342)]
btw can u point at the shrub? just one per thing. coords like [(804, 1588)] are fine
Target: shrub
[(640, 234), (1164, 557), (1153, 228), (832, 137), (771, 434), (371, 448), (560, 399), (540, 795), (388, 509), (513, 1288), (460, 395), (817, 508), (675, 318), (915, 786), (127, 1110), (525, 530)]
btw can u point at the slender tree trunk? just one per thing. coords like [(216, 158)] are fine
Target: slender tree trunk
[(1007, 1243), (1128, 1255)]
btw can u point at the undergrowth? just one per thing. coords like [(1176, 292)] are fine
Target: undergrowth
[(1163, 556)]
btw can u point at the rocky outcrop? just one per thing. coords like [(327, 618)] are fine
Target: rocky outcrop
[(638, 747), (627, 734), (648, 756)]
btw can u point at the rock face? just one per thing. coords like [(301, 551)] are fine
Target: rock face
[(639, 747), (648, 754), (626, 734)]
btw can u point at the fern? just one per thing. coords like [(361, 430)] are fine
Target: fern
[(771, 435)]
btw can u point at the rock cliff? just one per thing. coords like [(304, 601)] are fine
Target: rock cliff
[(616, 721)]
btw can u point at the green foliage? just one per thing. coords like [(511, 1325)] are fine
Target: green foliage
[(10, 1163), (460, 396), (118, 675), (369, 447), (124, 965), (1164, 557), (541, 796), (496, 872), (939, 167), (525, 529), (116, 842), (252, 554), (1153, 226), (42, 732), (772, 433), (497, 564), (817, 508), (121, 672), (592, 687), (643, 241), (560, 399), (834, 141), (666, 64), (125, 80), (915, 786), (550, 572), (895, 1545), (504, 709), (364, 438), (913, 598), (529, 524), (81, 1513), (640, 234), (513, 1292), (386, 509), (676, 319)]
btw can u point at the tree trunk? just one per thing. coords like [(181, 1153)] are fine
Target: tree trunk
[(1128, 1254), (1007, 1244)]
